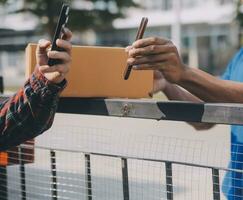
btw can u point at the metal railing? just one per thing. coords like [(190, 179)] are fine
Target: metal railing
[(146, 109), (168, 166)]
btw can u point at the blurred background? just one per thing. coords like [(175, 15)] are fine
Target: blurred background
[(207, 32)]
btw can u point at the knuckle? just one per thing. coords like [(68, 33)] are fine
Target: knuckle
[(68, 45), (141, 52), (53, 54), (154, 39), (172, 57), (57, 68), (173, 47), (132, 52), (131, 61), (67, 69), (169, 41), (66, 56), (138, 52), (153, 47), (139, 43)]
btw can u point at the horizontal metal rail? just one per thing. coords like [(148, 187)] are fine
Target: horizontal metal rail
[(141, 159), (217, 113)]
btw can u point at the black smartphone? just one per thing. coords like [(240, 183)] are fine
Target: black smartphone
[(62, 21)]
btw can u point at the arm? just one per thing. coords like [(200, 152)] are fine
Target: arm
[(210, 88), (31, 110), (157, 54), (174, 92), (162, 55)]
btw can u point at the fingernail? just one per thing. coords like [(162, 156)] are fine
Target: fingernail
[(135, 44), (41, 41), (135, 67)]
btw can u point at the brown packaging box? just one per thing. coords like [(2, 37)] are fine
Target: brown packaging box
[(98, 72)]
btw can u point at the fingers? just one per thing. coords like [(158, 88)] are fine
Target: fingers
[(61, 69), (150, 41), (149, 59), (60, 55), (67, 34), (41, 51), (127, 49), (66, 45), (151, 66), (64, 42), (42, 46), (151, 49), (55, 73)]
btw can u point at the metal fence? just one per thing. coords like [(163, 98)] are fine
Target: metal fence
[(87, 189), (30, 181)]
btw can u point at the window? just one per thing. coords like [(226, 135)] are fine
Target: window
[(167, 5), (225, 1), (189, 3), (156, 4)]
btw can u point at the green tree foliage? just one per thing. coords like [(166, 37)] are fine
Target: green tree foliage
[(239, 17), (3, 1), (96, 14), (239, 12)]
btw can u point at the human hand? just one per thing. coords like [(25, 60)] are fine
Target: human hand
[(159, 82), (56, 73), (157, 54)]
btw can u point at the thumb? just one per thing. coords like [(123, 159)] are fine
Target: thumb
[(41, 51), (42, 46)]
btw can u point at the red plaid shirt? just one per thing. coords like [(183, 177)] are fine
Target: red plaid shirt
[(29, 112)]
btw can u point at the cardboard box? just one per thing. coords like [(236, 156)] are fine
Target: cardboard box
[(98, 72)]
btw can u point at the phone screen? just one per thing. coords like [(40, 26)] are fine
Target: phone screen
[(62, 21)]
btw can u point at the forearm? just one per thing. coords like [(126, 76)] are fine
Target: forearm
[(29, 112), (174, 92), (211, 89)]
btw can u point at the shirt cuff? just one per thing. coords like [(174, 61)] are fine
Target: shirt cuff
[(40, 84)]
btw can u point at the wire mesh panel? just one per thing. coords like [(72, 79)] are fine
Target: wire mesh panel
[(91, 158)]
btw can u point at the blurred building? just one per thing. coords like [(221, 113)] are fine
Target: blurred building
[(208, 33), (16, 31)]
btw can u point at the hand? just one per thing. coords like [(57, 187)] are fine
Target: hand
[(157, 54), (160, 82), (56, 73)]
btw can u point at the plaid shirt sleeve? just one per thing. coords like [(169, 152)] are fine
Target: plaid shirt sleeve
[(29, 112)]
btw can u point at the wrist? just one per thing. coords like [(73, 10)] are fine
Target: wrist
[(39, 82), (168, 88), (185, 75)]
